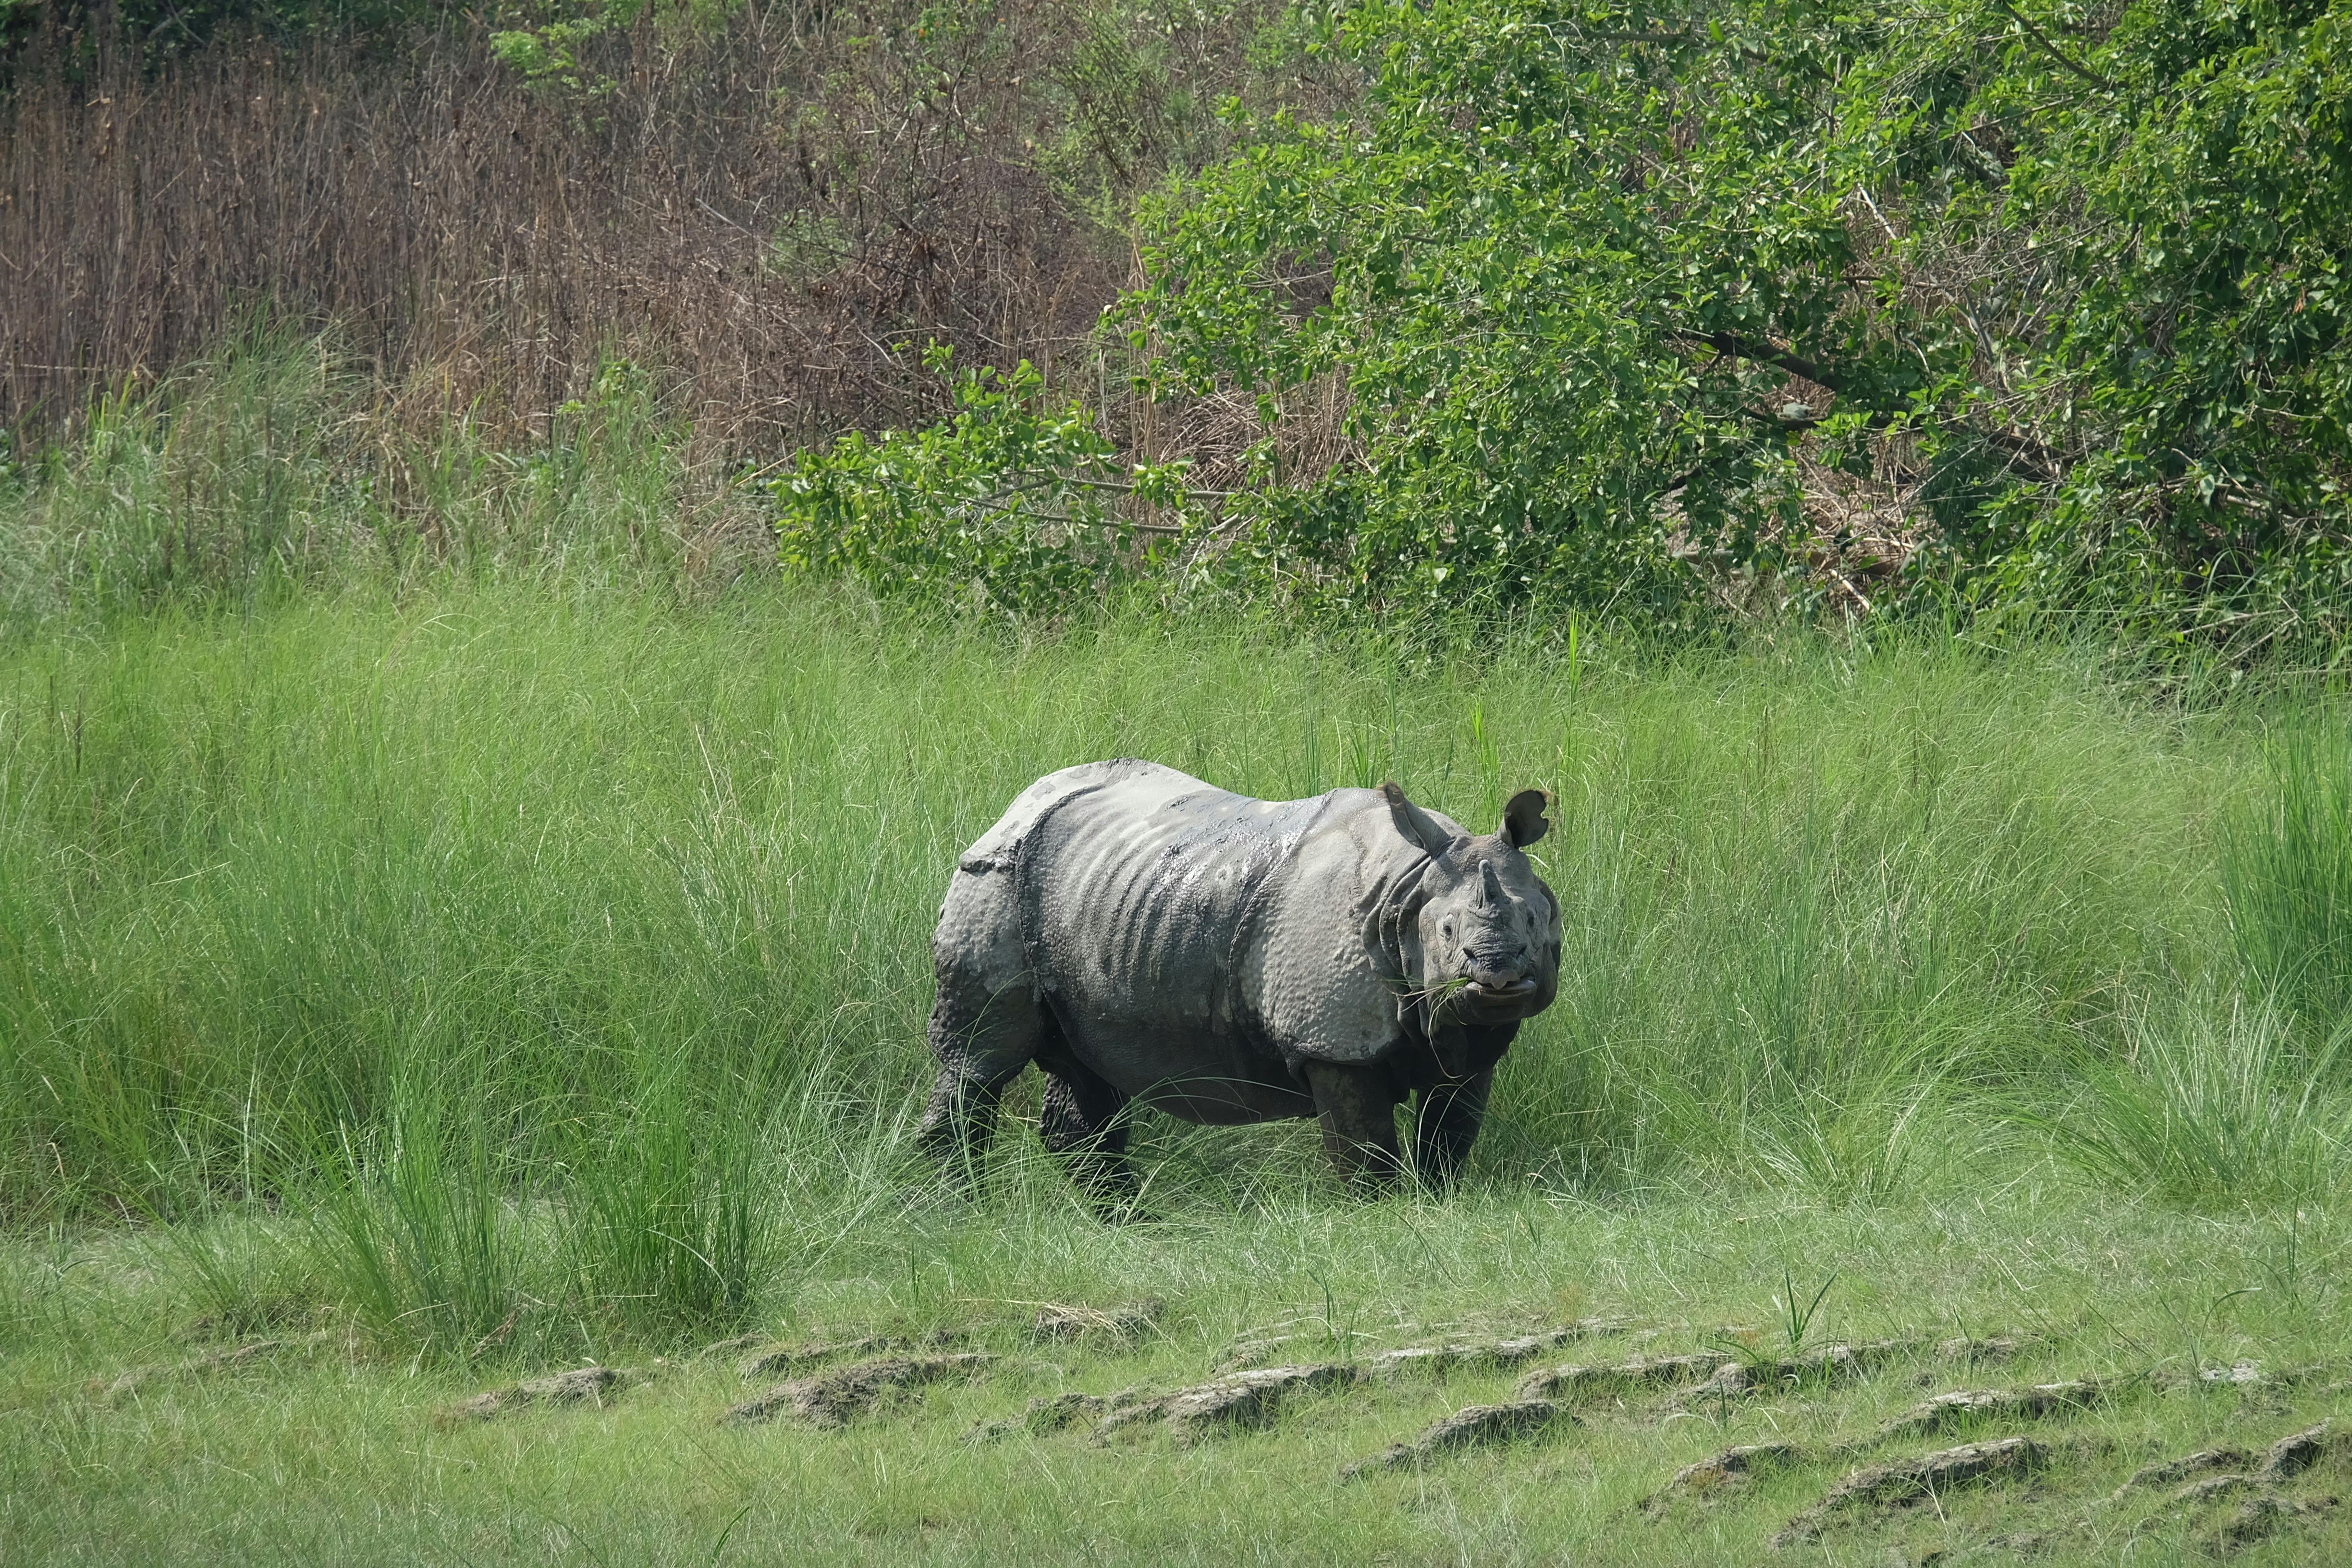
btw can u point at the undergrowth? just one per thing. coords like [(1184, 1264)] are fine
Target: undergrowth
[(467, 887), (551, 951)]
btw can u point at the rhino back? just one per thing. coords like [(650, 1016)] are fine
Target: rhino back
[(1153, 900)]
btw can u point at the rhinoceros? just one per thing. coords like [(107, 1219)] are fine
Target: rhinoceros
[(1144, 937)]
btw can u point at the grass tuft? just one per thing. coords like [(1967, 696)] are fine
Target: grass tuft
[(2286, 864), (2211, 1104)]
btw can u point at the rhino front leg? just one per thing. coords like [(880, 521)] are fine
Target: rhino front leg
[(1447, 1124), (1357, 1108), (959, 1122)]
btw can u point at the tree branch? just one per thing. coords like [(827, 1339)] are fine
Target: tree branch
[(2053, 52), (1765, 354)]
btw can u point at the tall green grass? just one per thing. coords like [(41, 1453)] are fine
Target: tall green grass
[(536, 941), (256, 876), (2287, 868), (2211, 1101), (278, 463)]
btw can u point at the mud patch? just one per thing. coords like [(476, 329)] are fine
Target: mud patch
[(1933, 1417), (1995, 1350), (1478, 1426), (1732, 1465), (2168, 1472), (2266, 1509), (2211, 1489), (2298, 1452), (775, 1360), (132, 1379), (734, 1346), (833, 1398), (1055, 1413), (1829, 1363), (1485, 1354), (1575, 1383), (1237, 1400), (581, 1385), (1884, 1488), (2214, 1474), (1117, 1325), (1503, 1351), (2259, 1517), (2243, 1376)]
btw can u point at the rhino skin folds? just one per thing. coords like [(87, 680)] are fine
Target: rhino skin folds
[(1147, 938)]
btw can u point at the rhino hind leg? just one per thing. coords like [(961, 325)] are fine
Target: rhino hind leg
[(987, 1024), (1357, 1108), (982, 1039), (1083, 1123), (1446, 1124)]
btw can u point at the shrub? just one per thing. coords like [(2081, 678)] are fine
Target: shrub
[(1617, 292), (1006, 501)]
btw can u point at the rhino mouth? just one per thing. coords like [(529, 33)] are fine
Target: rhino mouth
[(1503, 990), (1495, 997), (1492, 998)]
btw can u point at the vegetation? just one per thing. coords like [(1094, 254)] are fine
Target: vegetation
[(1949, 312), (313, 1455), (1913, 304), (533, 871), (523, 560)]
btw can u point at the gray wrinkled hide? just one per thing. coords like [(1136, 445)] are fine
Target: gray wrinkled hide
[(1145, 937)]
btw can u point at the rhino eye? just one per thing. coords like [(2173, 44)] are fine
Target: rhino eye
[(1445, 927)]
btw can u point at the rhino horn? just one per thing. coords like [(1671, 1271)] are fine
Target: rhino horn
[(1490, 887), (1523, 818), (1413, 823)]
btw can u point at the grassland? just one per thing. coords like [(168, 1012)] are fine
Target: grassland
[(454, 984), (277, 881), (458, 921), (331, 1453)]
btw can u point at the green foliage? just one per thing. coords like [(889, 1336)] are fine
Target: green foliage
[(552, 43), (1007, 504), (1594, 277)]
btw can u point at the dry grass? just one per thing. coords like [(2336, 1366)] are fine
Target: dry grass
[(775, 207)]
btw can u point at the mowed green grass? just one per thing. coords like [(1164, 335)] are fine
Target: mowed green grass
[(500, 977), (329, 1458)]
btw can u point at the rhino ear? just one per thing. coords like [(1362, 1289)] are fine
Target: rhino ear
[(1523, 819), (1413, 823)]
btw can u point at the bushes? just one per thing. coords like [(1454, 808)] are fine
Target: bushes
[(1915, 303), (1678, 311), (1003, 506)]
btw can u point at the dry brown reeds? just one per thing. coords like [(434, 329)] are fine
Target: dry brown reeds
[(773, 210)]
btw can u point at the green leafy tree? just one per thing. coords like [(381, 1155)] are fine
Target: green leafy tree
[(1009, 504), (1591, 273)]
